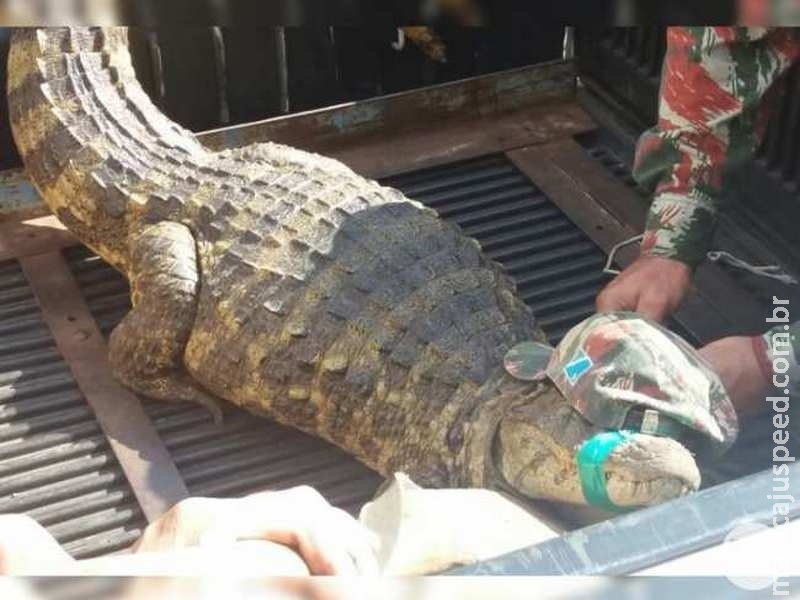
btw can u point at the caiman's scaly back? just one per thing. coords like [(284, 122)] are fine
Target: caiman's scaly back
[(287, 284)]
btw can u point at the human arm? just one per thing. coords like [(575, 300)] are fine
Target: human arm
[(258, 534), (329, 540), (712, 114), (754, 367)]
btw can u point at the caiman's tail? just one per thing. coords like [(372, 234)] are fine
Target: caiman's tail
[(98, 149), (91, 139)]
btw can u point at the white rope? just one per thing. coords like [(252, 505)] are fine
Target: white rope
[(612, 254), (717, 256), (770, 271)]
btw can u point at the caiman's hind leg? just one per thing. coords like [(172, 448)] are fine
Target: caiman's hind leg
[(146, 349)]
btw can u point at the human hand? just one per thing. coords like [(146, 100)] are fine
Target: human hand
[(328, 539), (653, 286), (735, 360)]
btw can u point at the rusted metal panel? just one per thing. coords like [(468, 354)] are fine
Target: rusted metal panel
[(404, 132), (389, 154), (34, 236), (141, 453), (475, 98), (55, 463), (544, 165), (624, 63), (18, 198), (385, 153)]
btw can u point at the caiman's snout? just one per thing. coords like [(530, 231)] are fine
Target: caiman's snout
[(547, 450)]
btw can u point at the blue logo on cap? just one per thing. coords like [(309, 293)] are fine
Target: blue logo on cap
[(578, 366)]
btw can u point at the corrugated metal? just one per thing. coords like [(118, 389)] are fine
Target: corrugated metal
[(55, 464), (556, 267), (781, 149), (624, 64), (768, 189), (553, 262), (612, 156), (60, 465), (642, 47), (246, 453)]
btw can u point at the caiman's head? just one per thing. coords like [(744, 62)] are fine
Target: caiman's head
[(538, 453), (93, 144), (610, 423)]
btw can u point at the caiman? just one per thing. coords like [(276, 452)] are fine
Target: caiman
[(285, 283)]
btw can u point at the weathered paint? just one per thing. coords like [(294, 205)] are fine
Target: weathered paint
[(486, 95), (354, 117), (18, 197), (434, 109)]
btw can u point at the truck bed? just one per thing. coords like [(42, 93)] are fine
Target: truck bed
[(514, 158)]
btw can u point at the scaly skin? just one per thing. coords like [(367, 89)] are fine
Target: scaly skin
[(285, 283)]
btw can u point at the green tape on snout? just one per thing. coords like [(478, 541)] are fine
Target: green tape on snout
[(592, 458)]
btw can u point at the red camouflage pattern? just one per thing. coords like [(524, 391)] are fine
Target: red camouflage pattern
[(716, 94)]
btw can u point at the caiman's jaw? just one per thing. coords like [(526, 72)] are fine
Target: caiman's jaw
[(536, 446)]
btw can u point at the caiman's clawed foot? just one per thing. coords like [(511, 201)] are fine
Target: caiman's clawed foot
[(171, 387), (547, 450), (146, 349)]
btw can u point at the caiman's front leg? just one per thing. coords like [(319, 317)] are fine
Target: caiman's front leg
[(146, 349)]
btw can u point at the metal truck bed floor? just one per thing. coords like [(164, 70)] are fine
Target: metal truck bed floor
[(516, 179), (55, 463)]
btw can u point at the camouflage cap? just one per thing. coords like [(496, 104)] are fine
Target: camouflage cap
[(622, 371)]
